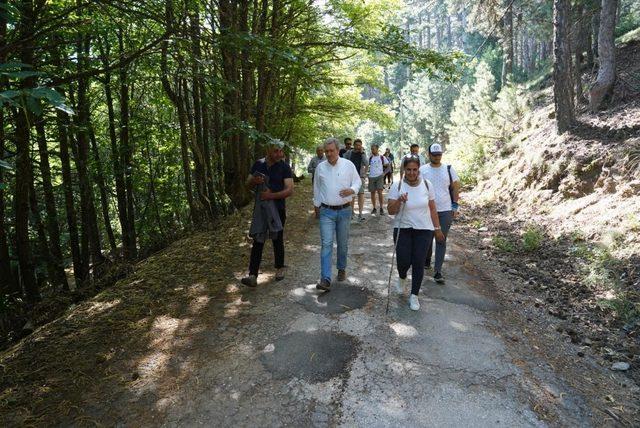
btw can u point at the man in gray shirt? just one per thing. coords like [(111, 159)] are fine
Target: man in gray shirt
[(313, 164)]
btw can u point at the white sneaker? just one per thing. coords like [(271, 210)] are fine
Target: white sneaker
[(414, 304), (401, 285)]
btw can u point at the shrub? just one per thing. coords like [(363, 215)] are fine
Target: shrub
[(503, 244), (532, 238)]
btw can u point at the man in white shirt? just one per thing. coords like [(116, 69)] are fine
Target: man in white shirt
[(377, 163), (446, 185), (336, 181)]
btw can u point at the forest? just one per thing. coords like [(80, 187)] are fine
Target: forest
[(126, 124)]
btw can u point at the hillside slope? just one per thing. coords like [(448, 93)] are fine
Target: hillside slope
[(562, 213)]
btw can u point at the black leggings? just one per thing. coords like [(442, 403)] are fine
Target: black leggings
[(278, 249), (411, 250)]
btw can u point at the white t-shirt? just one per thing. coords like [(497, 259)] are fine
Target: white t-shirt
[(440, 179), (376, 165), (416, 212)]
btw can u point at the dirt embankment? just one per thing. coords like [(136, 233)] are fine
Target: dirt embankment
[(562, 216)]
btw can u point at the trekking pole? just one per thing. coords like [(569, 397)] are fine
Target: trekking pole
[(393, 256)]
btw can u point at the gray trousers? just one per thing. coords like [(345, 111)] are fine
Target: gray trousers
[(446, 218)]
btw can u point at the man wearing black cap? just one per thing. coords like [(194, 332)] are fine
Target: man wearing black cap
[(446, 185)]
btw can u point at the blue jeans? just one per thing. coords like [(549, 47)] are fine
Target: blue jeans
[(338, 222)]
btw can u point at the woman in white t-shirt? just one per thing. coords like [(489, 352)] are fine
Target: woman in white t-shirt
[(416, 219)]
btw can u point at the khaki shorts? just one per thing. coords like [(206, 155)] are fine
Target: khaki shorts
[(376, 183), (361, 191)]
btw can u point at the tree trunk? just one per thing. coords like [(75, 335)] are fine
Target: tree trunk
[(606, 56), (26, 26), (90, 231), (595, 28), (562, 87), (59, 277), (80, 270), (427, 28), (131, 251), (7, 281), (44, 256), (198, 148), (507, 46), (236, 168), (116, 164), (174, 94), (580, 35), (98, 178)]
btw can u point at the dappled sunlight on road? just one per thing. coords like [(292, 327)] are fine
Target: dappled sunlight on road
[(403, 330)]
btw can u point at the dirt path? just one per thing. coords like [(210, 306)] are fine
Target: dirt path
[(283, 354)]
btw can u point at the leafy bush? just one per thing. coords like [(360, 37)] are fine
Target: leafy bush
[(503, 244), (532, 238)]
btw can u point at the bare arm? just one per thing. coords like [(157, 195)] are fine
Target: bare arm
[(283, 194), (436, 220), (456, 191), (252, 181)]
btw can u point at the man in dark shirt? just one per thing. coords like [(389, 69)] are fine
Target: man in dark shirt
[(388, 177), (277, 175), (358, 157), (346, 148)]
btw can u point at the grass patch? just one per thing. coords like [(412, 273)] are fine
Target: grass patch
[(503, 244), (599, 270), (532, 239)]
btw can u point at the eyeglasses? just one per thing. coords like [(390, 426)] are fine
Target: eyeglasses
[(436, 154)]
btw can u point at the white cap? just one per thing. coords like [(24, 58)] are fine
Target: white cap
[(435, 148)]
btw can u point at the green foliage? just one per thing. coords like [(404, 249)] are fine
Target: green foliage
[(31, 99), (622, 305), (503, 244), (629, 19), (532, 238)]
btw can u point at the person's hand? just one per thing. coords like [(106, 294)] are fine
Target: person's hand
[(267, 195), (439, 236), (316, 212), (257, 179), (404, 197), (456, 214), (346, 192)]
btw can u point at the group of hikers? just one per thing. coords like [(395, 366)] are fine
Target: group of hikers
[(424, 204)]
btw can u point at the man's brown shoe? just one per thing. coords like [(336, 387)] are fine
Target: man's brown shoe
[(280, 274), (250, 281), (342, 275), (324, 284)]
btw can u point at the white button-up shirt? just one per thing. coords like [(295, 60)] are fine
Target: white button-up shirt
[(329, 180)]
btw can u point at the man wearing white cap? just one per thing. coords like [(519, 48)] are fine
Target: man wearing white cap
[(446, 184)]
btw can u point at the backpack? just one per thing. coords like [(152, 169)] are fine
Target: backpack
[(450, 182), (381, 159)]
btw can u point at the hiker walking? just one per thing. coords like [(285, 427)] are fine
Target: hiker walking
[(336, 182), (414, 150), (313, 163), (377, 163), (415, 223), (359, 159), (388, 174), (273, 182), (347, 146), (446, 184)]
